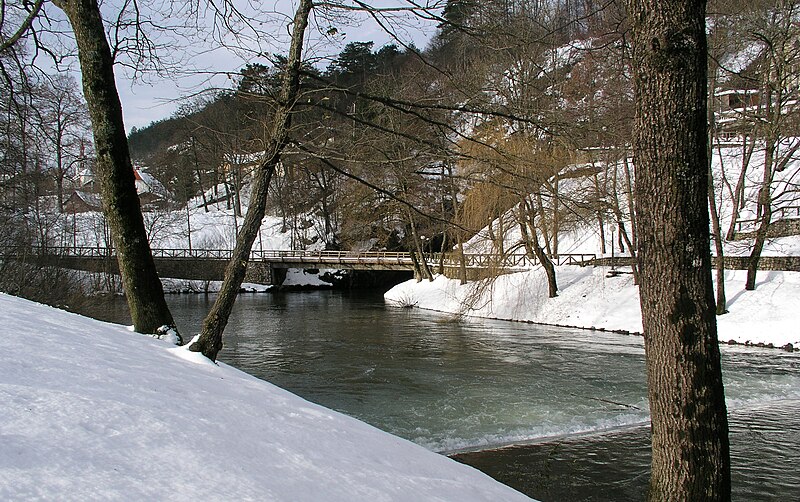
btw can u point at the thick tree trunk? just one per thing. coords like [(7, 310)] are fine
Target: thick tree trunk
[(690, 460), (210, 340), (143, 288)]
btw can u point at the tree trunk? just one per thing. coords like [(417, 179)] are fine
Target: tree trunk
[(764, 194), (114, 170), (739, 198), (556, 220), (631, 208), (547, 265), (599, 214), (59, 147), (210, 340), (623, 232), (532, 246), (199, 173), (462, 263), (720, 250), (716, 231), (543, 224), (424, 269), (690, 446), (765, 217)]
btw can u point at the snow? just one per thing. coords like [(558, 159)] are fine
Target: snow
[(295, 278), (590, 298), (92, 411)]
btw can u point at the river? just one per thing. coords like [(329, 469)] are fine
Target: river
[(575, 398)]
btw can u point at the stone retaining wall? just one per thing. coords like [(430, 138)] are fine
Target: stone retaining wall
[(779, 228), (789, 263)]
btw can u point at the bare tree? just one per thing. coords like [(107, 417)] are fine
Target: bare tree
[(144, 292), (63, 123), (716, 230), (777, 32), (209, 341)]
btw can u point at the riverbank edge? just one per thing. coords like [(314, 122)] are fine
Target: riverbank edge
[(592, 299), (789, 347)]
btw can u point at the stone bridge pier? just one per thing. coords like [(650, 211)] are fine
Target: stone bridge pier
[(263, 273)]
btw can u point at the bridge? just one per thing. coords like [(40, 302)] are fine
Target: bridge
[(268, 266)]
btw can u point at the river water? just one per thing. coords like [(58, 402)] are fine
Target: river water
[(576, 397)]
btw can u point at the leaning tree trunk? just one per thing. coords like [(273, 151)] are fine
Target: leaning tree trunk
[(623, 232), (114, 170), (210, 340), (532, 246), (690, 449)]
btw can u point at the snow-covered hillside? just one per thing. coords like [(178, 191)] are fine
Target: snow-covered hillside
[(92, 411)]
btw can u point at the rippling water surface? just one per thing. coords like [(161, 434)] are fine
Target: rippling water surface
[(450, 384)]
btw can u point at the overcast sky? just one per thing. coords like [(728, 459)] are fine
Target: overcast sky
[(153, 98)]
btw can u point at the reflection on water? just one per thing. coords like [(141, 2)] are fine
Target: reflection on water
[(449, 384)]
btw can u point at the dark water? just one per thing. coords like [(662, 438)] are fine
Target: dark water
[(451, 384), (615, 465)]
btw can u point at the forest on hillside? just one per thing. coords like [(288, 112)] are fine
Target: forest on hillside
[(512, 105), (516, 118)]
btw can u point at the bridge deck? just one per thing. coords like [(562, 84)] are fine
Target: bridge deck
[(209, 264)]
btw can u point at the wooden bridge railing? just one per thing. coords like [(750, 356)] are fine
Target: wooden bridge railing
[(518, 261), (581, 259)]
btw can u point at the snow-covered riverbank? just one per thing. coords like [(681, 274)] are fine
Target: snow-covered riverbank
[(590, 298), (92, 411)]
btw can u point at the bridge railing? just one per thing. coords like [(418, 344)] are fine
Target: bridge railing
[(519, 261), (65, 251), (331, 256), (580, 259), (481, 260)]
